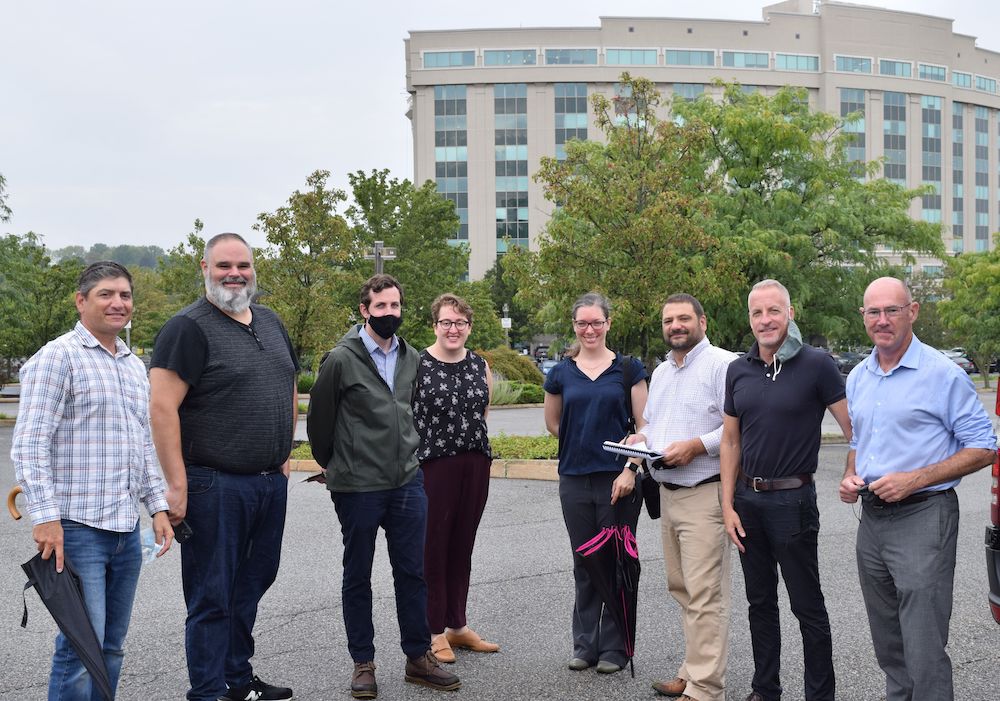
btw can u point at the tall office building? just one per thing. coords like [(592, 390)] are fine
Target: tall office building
[(487, 104)]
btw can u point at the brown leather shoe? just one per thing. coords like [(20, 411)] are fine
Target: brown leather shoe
[(363, 684), (427, 671), (674, 687), (441, 649), (470, 640)]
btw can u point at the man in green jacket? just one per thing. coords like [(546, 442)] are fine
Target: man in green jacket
[(361, 430)]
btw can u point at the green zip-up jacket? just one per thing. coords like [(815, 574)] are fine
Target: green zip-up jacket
[(362, 433)]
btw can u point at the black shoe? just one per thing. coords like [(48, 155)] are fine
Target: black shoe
[(257, 690), (426, 670), (363, 684)]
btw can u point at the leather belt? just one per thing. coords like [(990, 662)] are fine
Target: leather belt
[(918, 498), (675, 487), (767, 484)]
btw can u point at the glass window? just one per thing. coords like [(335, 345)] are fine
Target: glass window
[(509, 57), (853, 64), (451, 167), (927, 72), (986, 84), (686, 57), (961, 80), (631, 57), (900, 69), (449, 59), (571, 115), (796, 62), (571, 57), (688, 91), (745, 59)]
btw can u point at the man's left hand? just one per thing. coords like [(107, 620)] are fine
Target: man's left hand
[(680, 453), (163, 531), (895, 486)]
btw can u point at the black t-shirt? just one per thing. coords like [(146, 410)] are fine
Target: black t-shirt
[(237, 414), (781, 415)]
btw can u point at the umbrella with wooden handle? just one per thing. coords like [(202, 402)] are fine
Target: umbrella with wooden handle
[(12, 502)]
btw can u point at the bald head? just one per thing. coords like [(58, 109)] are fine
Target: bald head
[(890, 286)]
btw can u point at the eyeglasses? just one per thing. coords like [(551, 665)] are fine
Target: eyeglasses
[(461, 324), (596, 325), (893, 312)]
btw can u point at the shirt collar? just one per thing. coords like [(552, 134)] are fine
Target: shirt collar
[(698, 349), (90, 340), (372, 345), (910, 359)]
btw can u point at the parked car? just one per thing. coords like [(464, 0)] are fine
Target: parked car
[(960, 360), (993, 534), (848, 360), (547, 365)]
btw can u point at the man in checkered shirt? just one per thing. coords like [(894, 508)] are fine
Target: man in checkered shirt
[(84, 456)]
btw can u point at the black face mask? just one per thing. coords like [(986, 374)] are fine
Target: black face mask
[(385, 326)]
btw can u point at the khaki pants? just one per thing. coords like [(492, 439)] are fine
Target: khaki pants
[(697, 558)]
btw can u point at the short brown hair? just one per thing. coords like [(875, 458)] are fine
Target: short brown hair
[(450, 300), (684, 298), (378, 283), (101, 270)]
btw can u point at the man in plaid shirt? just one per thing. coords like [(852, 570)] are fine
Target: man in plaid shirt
[(84, 456)]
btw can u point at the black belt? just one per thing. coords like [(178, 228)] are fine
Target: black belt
[(767, 484), (675, 487), (874, 502)]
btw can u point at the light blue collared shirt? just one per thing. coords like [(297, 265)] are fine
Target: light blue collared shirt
[(385, 363), (920, 412)]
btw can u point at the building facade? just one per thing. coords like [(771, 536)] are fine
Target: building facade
[(487, 104)]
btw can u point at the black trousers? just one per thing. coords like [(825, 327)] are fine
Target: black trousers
[(782, 530)]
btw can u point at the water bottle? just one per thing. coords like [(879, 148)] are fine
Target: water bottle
[(150, 548)]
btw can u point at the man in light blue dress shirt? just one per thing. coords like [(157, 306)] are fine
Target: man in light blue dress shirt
[(918, 428)]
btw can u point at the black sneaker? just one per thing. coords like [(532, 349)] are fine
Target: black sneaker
[(257, 690)]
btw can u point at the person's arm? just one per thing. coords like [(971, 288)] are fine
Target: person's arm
[(898, 485), (729, 469), (166, 392), (489, 389), (851, 482), (840, 413), (552, 410), (321, 419), (640, 395), (286, 467)]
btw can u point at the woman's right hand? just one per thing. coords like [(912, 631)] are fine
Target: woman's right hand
[(623, 485)]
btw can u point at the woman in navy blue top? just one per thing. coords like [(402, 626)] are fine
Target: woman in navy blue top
[(585, 406)]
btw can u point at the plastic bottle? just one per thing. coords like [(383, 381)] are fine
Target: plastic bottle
[(150, 548)]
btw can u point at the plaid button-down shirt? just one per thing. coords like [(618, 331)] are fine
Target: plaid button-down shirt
[(82, 448)]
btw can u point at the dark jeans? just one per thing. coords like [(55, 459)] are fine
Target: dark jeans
[(108, 564), (402, 513), (231, 559), (457, 487), (782, 529), (587, 508)]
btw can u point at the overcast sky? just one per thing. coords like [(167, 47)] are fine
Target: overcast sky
[(123, 121)]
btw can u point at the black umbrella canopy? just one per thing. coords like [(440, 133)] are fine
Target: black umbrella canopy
[(612, 559), (62, 595)]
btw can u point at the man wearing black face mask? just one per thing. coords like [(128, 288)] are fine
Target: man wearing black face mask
[(361, 431)]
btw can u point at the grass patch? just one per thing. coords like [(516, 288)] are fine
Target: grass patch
[(303, 408), (6, 417), (302, 452), (504, 447)]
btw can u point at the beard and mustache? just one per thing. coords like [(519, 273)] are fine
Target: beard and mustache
[(231, 301)]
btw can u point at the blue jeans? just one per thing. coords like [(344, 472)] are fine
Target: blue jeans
[(231, 559), (402, 513), (782, 529), (108, 564)]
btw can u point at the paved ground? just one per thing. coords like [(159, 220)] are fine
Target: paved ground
[(521, 597)]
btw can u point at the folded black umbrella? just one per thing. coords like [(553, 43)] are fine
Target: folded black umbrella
[(62, 594), (611, 558)]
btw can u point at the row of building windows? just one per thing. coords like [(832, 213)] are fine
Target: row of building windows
[(510, 109), (451, 154), (707, 58)]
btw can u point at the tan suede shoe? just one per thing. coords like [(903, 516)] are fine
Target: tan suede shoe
[(470, 640), (441, 649)]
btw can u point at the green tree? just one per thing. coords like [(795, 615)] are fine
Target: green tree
[(633, 220), (303, 273), (4, 209), (417, 222), (503, 290), (973, 312), (788, 205), (181, 279), (152, 306)]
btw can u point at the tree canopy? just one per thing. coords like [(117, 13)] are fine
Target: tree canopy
[(973, 311)]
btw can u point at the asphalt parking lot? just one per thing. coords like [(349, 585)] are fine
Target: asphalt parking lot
[(521, 597)]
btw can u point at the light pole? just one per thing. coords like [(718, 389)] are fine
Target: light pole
[(380, 253), (505, 323)]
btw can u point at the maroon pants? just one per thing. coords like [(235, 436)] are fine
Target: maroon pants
[(456, 487)]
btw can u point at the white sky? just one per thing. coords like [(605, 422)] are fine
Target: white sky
[(123, 121)]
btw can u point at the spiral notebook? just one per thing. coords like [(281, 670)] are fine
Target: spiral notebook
[(636, 450)]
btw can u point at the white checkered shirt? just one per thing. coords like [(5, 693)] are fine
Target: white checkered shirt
[(685, 402), (82, 449)]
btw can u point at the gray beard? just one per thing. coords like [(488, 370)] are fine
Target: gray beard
[(230, 301)]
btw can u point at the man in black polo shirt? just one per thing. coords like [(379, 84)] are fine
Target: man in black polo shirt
[(222, 408), (776, 396)]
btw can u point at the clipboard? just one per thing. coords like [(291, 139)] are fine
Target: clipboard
[(638, 450)]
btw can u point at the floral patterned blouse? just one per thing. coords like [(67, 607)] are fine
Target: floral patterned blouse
[(449, 407)]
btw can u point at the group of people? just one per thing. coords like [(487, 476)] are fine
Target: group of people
[(401, 437), (739, 440)]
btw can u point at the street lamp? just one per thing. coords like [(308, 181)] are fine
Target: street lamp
[(505, 323)]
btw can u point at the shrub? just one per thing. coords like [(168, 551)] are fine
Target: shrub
[(504, 391), (530, 393), (525, 447), (512, 365), (306, 381), (302, 452)]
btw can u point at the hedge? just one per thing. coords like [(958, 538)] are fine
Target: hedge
[(512, 365)]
